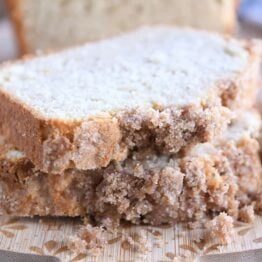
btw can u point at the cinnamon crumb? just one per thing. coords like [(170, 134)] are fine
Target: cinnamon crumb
[(89, 240), (136, 242), (247, 214), (221, 228)]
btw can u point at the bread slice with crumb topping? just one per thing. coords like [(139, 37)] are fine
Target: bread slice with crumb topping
[(161, 87), (222, 176)]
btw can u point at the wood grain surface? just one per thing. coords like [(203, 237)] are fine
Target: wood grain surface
[(48, 236)]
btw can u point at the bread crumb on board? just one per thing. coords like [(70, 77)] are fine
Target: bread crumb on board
[(91, 240), (136, 242), (247, 214), (88, 239), (221, 228)]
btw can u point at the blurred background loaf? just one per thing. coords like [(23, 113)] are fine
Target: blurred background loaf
[(30, 25), (61, 23)]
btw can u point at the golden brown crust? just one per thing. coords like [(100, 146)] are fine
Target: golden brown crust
[(51, 144), (14, 7), (21, 126)]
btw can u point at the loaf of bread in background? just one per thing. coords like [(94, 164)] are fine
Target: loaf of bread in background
[(61, 23)]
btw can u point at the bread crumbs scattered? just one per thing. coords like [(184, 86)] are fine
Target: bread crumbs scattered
[(247, 214), (155, 233), (221, 228), (136, 242), (89, 240), (170, 255)]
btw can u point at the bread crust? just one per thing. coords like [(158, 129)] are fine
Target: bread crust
[(230, 18), (23, 125), (14, 7)]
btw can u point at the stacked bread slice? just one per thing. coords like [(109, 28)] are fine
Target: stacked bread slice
[(154, 126)]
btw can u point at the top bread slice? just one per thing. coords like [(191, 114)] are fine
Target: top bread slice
[(56, 24), (155, 87)]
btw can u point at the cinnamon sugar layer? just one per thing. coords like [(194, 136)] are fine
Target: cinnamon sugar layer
[(145, 188)]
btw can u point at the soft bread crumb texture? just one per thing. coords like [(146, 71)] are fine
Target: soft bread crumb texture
[(151, 65), (55, 24)]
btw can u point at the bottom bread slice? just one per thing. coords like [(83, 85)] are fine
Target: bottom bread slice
[(223, 176)]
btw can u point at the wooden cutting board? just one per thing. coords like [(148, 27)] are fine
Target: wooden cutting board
[(48, 236)]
